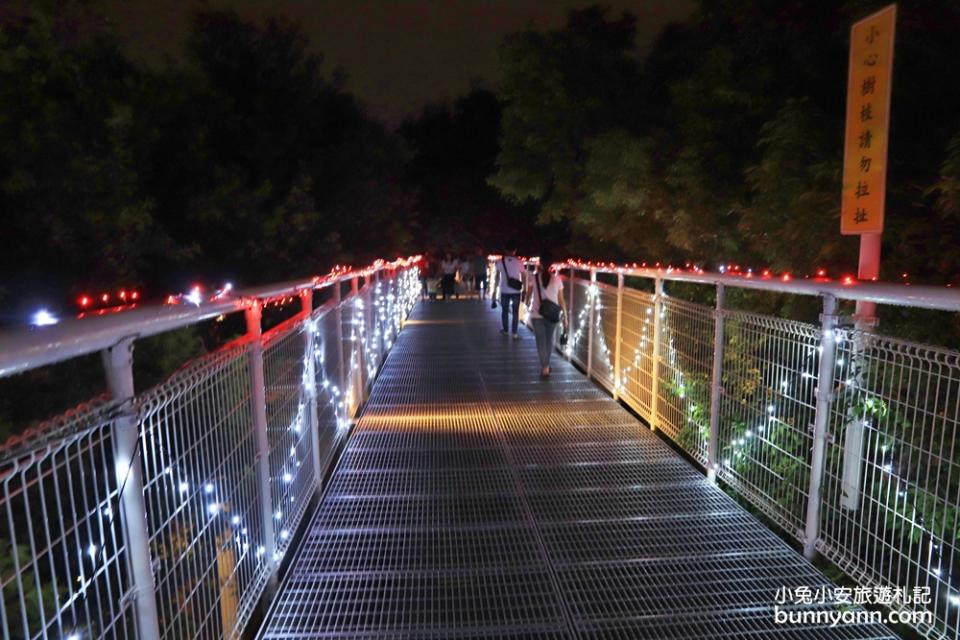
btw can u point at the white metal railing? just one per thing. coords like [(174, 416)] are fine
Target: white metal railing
[(848, 440), (167, 513)]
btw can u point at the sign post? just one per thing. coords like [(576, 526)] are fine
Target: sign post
[(864, 191), (866, 140)]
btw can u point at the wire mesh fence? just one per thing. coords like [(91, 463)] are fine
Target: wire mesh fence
[(767, 406), (889, 511), (200, 488), (63, 569), (578, 342), (604, 334), (289, 427), (891, 508), (636, 351), (686, 360), (65, 566)]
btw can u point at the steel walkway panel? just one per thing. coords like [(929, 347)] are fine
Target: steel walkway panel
[(474, 500)]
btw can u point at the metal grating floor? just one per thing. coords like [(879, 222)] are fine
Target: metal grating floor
[(476, 501)]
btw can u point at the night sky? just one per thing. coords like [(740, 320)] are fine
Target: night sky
[(398, 55)]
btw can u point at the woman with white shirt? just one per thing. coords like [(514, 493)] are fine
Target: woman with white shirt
[(547, 286)]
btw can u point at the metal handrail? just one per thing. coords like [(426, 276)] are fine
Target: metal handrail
[(943, 298), (26, 348)]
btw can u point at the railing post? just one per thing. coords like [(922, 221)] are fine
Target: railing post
[(655, 365), (591, 314), (118, 366), (341, 371), (384, 282), (259, 404), (310, 381), (855, 424), (352, 401), (716, 385), (828, 353), (570, 315), (617, 382), (525, 288)]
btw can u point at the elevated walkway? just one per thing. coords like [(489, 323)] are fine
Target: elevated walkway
[(475, 500)]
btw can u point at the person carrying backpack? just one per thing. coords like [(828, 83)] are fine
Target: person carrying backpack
[(546, 309)]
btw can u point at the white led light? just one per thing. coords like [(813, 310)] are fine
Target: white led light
[(43, 318)]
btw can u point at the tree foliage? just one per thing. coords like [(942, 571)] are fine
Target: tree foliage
[(69, 192), (454, 149), (243, 158), (726, 143)]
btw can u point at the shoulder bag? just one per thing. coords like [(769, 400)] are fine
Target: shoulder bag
[(514, 283), (549, 309)]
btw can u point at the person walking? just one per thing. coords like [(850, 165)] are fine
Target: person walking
[(546, 309), (479, 268), (448, 277), (466, 277), (425, 266), (509, 272)]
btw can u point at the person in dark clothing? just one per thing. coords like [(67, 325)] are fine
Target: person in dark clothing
[(448, 277), (479, 268)]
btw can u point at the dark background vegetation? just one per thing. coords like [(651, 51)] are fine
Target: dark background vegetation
[(246, 158)]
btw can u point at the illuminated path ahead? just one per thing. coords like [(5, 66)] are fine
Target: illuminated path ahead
[(476, 501)]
